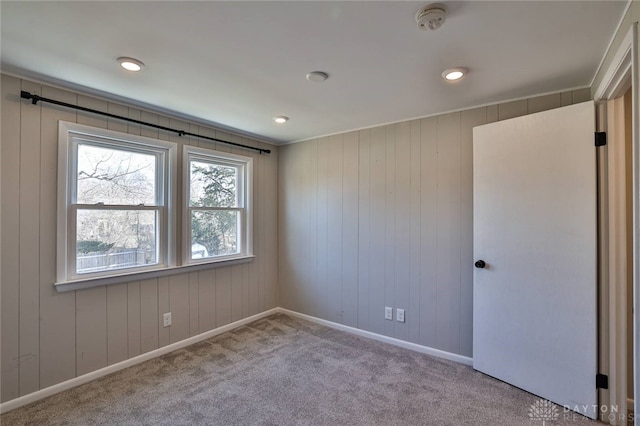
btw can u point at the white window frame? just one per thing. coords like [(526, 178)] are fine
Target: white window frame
[(69, 136), (245, 180)]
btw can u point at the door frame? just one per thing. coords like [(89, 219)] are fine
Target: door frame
[(621, 75)]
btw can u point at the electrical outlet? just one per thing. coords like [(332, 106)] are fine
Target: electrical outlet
[(400, 315), (388, 313), (166, 319)]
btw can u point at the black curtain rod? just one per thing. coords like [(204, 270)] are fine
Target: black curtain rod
[(35, 98)]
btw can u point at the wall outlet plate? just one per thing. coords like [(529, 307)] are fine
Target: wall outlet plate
[(388, 313), (400, 315), (166, 319)]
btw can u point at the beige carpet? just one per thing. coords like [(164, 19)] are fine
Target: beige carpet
[(285, 371)]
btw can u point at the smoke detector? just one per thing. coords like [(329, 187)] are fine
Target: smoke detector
[(431, 17)]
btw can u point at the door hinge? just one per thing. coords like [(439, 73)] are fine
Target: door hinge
[(601, 138), (602, 381)]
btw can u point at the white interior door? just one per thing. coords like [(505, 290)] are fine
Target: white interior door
[(534, 303)]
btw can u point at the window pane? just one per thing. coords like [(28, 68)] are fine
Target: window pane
[(115, 239), (214, 233), (114, 176), (213, 185)]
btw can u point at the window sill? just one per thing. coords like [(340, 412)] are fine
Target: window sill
[(136, 276)]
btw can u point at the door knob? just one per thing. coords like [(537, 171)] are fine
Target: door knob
[(480, 264)]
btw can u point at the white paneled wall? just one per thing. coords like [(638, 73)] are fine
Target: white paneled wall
[(49, 337), (383, 217)]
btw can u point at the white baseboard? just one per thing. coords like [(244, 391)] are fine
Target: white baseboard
[(396, 342), (85, 378)]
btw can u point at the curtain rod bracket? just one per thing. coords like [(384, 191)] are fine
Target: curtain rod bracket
[(27, 95), (35, 98)]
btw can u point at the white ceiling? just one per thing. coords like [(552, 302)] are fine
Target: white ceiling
[(237, 64)]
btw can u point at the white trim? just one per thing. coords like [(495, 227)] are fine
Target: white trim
[(621, 74), (635, 149), (613, 84), (85, 378), (64, 286), (613, 37), (166, 156), (435, 114), (245, 188), (391, 340)]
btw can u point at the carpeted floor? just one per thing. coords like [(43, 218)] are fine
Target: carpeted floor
[(286, 371)]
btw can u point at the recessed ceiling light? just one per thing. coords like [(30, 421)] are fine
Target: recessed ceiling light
[(130, 64), (280, 119), (317, 76), (454, 74)]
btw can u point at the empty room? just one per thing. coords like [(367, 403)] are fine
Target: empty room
[(319, 212)]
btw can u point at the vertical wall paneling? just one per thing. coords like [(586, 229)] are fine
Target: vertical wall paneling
[(179, 307), (236, 292), (413, 243), (349, 296), (114, 123), (29, 248), (364, 264), (428, 230), (335, 234), (403, 201), (300, 202), (468, 120), (89, 119), (49, 337), (149, 318), (382, 217), (543, 103), (10, 271), (117, 323), (206, 301), (284, 210), (492, 112), (566, 98), (512, 109), (311, 246), (164, 334), (322, 230), (91, 330), (223, 296), (134, 320), (390, 227), (378, 231), (271, 227), (581, 95), (306, 194), (448, 233), (194, 305), (57, 310), (402, 226)]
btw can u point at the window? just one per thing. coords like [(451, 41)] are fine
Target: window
[(114, 203), (217, 208)]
